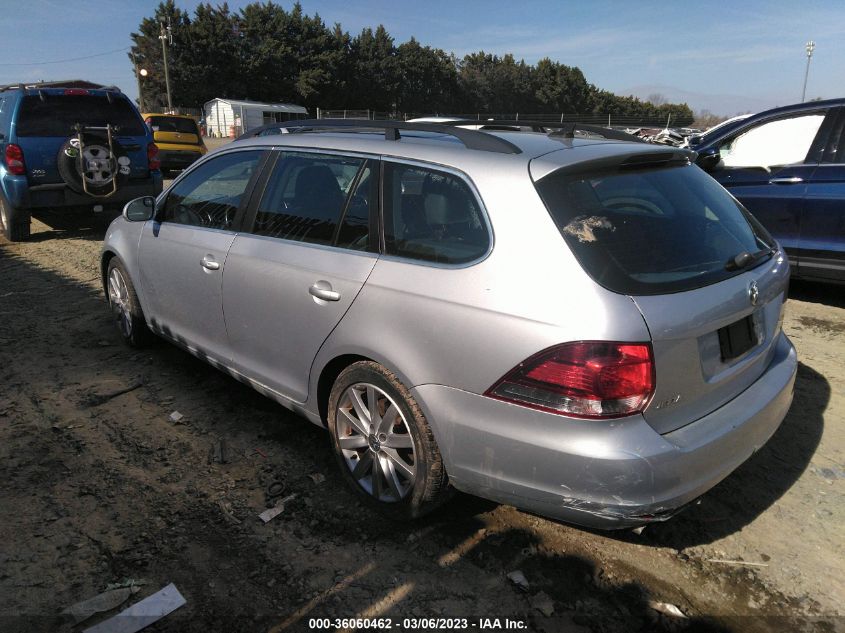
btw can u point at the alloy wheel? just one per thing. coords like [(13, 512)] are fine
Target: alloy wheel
[(376, 442), (119, 300), (98, 165)]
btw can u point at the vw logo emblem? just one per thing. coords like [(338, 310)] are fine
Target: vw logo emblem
[(753, 293)]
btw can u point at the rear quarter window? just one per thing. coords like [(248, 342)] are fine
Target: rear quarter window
[(651, 231), (431, 215)]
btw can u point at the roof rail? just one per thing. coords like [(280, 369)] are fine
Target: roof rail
[(565, 130), (471, 139), (42, 86)]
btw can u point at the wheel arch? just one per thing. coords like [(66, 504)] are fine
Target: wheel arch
[(105, 260), (333, 358), (328, 375)]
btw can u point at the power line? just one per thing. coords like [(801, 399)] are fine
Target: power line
[(72, 59)]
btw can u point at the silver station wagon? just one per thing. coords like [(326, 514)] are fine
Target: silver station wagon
[(575, 324)]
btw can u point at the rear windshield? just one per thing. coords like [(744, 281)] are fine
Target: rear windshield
[(57, 115), (652, 231), (172, 124)]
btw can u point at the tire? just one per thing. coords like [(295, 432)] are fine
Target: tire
[(14, 222), (125, 307), (111, 166), (411, 481)]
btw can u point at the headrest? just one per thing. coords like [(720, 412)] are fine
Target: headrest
[(316, 178), (439, 209)]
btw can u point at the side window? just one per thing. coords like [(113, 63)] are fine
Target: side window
[(210, 195), (305, 197), (432, 216), (776, 143)]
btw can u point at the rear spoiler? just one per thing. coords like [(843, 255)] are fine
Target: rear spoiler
[(629, 162)]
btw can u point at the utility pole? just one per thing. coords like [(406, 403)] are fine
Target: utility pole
[(166, 38), (809, 47), (138, 74)]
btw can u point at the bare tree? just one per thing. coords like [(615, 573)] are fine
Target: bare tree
[(705, 119)]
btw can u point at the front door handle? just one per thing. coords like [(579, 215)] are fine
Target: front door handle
[(323, 290), (209, 264), (792, 180)]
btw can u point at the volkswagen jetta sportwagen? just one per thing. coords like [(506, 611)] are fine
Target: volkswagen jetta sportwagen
[(563, 320)]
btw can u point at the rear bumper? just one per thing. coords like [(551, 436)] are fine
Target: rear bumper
[(603, 474), (57, 196), (177, 159)]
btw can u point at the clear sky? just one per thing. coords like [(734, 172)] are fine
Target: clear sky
[(745, 56)]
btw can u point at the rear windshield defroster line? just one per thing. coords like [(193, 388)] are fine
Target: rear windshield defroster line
[(651, 231)]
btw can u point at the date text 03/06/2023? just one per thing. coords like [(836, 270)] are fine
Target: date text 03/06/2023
[(419, 624)]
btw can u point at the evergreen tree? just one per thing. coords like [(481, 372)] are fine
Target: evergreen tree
[(265, 53)]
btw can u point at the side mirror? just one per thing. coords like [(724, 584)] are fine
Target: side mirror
[(140, 209), (709, 159)]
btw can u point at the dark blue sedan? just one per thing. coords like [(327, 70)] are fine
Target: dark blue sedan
[(787, 166)]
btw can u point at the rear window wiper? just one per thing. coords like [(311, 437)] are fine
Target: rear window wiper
[(746, 259)]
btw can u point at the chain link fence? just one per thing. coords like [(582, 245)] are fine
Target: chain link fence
[(229, 123), (608, 120)]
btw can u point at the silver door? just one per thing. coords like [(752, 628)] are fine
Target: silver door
[(182, 256), (290, 281)]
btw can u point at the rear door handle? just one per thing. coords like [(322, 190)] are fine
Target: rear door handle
[(209, 264), (323, 290), (792, 180)]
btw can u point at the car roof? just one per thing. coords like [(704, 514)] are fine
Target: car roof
[(448, 151), (735, 124), (172, 116)]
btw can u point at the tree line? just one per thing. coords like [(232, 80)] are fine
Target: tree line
[(266, 53)]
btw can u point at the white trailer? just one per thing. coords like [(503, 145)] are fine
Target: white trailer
[(233, 117)]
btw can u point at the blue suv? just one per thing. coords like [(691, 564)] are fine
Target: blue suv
[(787, 166), (71, 148)]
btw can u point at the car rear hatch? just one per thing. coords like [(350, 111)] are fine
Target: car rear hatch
[(47, 119), (173, 129), (706, 276)]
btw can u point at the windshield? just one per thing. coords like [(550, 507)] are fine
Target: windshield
[(56, 115), (652, 231), (172, 124)]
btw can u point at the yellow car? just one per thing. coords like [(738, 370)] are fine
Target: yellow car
[(178, 140)]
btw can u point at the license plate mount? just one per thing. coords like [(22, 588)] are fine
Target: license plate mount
[(737, 338)]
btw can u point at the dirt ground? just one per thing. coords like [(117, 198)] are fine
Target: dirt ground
[(99, 487)]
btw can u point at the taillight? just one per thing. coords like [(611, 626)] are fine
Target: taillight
[(587, 379), (14, 160), (77, 92), (152, 156)]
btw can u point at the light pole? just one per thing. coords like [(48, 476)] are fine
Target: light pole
[(810, 47), (166, 38)]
